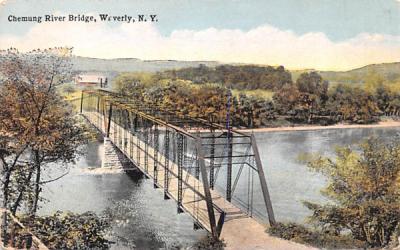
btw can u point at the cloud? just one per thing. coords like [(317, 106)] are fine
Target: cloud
[(262, 45)]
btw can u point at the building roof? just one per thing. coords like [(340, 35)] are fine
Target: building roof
[(90, 78)]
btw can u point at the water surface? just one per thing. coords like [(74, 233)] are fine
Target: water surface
[(147, 221)]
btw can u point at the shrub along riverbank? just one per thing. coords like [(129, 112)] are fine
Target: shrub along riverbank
[(363, 189)]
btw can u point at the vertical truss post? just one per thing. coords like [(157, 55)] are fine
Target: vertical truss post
[(81, 102), (146, 147), (98, 112), (197, 168), (180, 176), (229, 167), (230, 149), (109, 120), (185, 160), (197, 165), (136, 123), (115, 128), (155, 160), (263, 182), (166, 163), (131, 145), (138, 149), (207, 193), (212, 153), (174, 147), (120, 132), (130, 136), (125, 121), (104, 116), (98, 104)]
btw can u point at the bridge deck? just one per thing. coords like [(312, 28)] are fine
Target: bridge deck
[(239, 230)]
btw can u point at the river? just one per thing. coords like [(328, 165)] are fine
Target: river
[(147, 221)]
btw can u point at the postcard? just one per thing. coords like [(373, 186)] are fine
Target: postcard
[(183, 124)]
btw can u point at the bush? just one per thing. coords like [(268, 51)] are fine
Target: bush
[(316, 238), (69, 230), (363, 185), (69, 88), (209, 243)]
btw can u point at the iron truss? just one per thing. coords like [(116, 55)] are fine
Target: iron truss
[(220, 158)]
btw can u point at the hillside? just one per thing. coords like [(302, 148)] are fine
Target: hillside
[(112, 67), (389, 71), (118, 65)]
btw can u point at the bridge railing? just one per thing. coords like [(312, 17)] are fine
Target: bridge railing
[(203, 158)]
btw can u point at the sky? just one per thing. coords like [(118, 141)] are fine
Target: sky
[(298, 34)]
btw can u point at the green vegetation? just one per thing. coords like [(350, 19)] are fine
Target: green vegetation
[(314, 237), (38, 128), (209, 242), (363, 189), (389, 72), (69, 230), (256, 93), (68, 88), (237, 77), (208, 101), (364, 186), (204, 92), (304, 99)]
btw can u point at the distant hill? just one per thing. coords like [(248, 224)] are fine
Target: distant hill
[(87, 64), (389, 71), (112, 67)]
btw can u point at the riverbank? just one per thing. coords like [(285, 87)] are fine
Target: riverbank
[(382, 124)]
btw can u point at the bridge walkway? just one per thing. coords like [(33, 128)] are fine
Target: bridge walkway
[(239, 231)]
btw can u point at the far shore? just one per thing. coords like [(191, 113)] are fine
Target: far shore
[(382, 124)]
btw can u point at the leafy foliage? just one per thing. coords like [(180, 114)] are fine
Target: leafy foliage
[(37, 126), (238, 77), (206, 101), (308, 100), (209, 242), (353, 104), (303, 235), (69, 230), (363, 185)]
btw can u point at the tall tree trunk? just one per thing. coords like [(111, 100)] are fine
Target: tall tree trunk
[(17, 202), (37, 190), (6, 183)]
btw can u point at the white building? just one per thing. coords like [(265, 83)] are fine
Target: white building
[(91, 80)]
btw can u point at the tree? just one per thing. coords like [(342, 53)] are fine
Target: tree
[(233, 76), (129, 84), (352, 104), (363, 185), (388, 101), (286, 99), (313, 94), (37, 126), (69, 88)]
